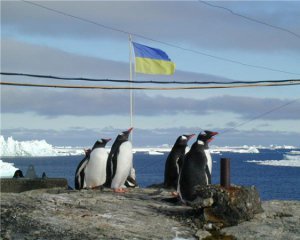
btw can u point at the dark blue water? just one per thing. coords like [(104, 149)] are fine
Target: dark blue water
[(273, 182)]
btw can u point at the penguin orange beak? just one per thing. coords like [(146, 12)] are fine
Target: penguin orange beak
[(129, 130), (212, 134), (190, 136)]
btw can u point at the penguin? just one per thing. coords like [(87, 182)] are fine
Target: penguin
[(196, 168), (18, 174), (95, 169), (131, 179), (79, 174), (174, 161), (119, 163)]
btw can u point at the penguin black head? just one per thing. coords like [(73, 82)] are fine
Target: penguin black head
[(183, 140), (18, 174), (206, 136), (123, 136), (101, 143)]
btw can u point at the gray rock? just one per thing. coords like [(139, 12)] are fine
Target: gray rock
[(89, 214), (138, 214), (280, 220)]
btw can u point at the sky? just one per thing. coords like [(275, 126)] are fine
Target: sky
[(194, 34)]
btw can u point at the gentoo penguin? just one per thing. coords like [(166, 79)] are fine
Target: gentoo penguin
[(95, 170), (79, 174), (131, 179), (18, 174), (119, 163), (196, 168), (174, 161)]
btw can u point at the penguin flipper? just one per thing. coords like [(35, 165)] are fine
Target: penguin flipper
[(79, 175), (114, 163), (208, 174)]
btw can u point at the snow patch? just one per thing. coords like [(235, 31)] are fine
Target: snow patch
[(7, 170)]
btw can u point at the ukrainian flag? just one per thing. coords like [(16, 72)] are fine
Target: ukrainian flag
[(152, 60)]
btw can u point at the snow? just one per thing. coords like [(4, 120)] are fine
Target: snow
[(7, 170)]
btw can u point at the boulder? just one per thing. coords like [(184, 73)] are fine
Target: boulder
[(227, 207)]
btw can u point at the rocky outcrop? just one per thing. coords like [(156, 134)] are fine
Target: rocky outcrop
[(227, 207), (138, 214), (280, 220)]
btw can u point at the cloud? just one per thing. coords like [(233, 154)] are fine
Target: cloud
[(54, 103), (24, 57), (199, 25)]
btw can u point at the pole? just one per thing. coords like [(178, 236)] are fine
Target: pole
[(131, 92), (225, 173)]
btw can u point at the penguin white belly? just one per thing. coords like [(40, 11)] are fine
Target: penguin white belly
[(95, 171), (124, 165), (209, 160)]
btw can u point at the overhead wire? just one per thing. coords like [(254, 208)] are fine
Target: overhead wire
[(261, 115), (142, 81), (158, 41), (249, 18), (147, 88)]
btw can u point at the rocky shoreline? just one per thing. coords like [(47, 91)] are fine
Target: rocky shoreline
[(137, 214)]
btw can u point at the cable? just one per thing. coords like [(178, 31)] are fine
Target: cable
[(250, 19), (261, 115), (162, 42), (147, 88), (142, 82)]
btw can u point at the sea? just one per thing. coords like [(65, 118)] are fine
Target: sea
[(271, 171)]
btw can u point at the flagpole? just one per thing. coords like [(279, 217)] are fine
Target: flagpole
[(131, 92)]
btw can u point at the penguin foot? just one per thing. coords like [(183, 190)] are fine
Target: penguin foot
[(175, 194), (120, 190)]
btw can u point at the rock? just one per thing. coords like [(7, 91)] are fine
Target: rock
[(138, 214), (17, 185), (89, 214), (202, 234), (280, 220), (227, 207)]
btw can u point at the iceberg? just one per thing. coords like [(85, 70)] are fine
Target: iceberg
[(7, 170), (34, 148)]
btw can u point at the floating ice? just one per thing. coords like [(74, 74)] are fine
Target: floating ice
[(244, 149), (289, 160)]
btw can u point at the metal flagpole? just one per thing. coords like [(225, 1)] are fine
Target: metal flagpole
[(131, 92)]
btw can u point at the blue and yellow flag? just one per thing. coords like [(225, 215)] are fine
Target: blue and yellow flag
[(152, 60)]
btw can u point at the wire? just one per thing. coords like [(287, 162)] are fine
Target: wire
[(147, 88), (142, 82), (261, 115), (251, 19), (162, 42)]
